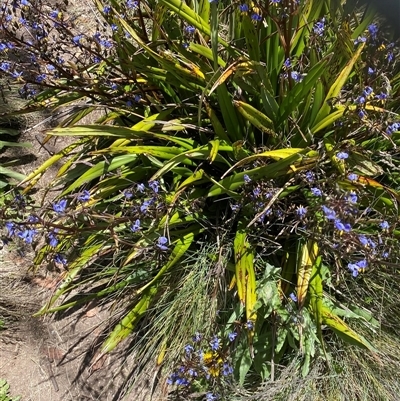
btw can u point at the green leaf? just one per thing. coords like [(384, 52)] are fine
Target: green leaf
[(15, 144), (300, 91), (343, 331), (338, 85)]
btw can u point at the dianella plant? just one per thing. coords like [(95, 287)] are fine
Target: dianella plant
[(235, 196)]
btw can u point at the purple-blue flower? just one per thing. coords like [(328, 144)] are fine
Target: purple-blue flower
[(53, 240), (84, 196), (342, 155), (190, 29), (11, 228), (27, 235), (368, 91), (249, 325), (329, 213), (319, 27), (301, 211), (346, 227), (154, 186), (352, 177), (215, 343), (227, 369), (60, 259), (256, 17), (384, 225), (145, 205), (316, 191), (352, 198), (135, 227), (60, 206), (161, 243), (132, 4), (197, 337), (246, 178), (293, 297), (188, 349), (232, 335)]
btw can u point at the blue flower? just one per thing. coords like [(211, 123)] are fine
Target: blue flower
[(393, 128), (227, 369), (188, 349), (172, 378), (40, 78), (53, 240), (371, 71), (360, 39), (106, 43), (11, 228), (197, 337), (161, 243), (106, 9), (154, 186), (128, 194), (353, 269), (77, 39), (141, 188), (85, 196), (246, 178), (192, 372), (145, 205), (329, 213), (319, 27), (368, 91), (132, 4), (301, 211), (215, 343), (310, 176), (382, 96), (293, 297), (5, 66), (136, 226), (182, 381), (384, 225), (243, 8), (211, 397), (316, 191), (363, 240), (249, 325), (27, 235), (256, 17), (362, 114), (232, 336), (346, 227), (16, 74), (342, 155), (352, 198), (352, 177), (296, 76), (360, 100), (190, 29), (373, 30), (60, 206)]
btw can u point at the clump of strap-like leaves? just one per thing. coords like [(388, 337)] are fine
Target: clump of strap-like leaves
[(241, 181)]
